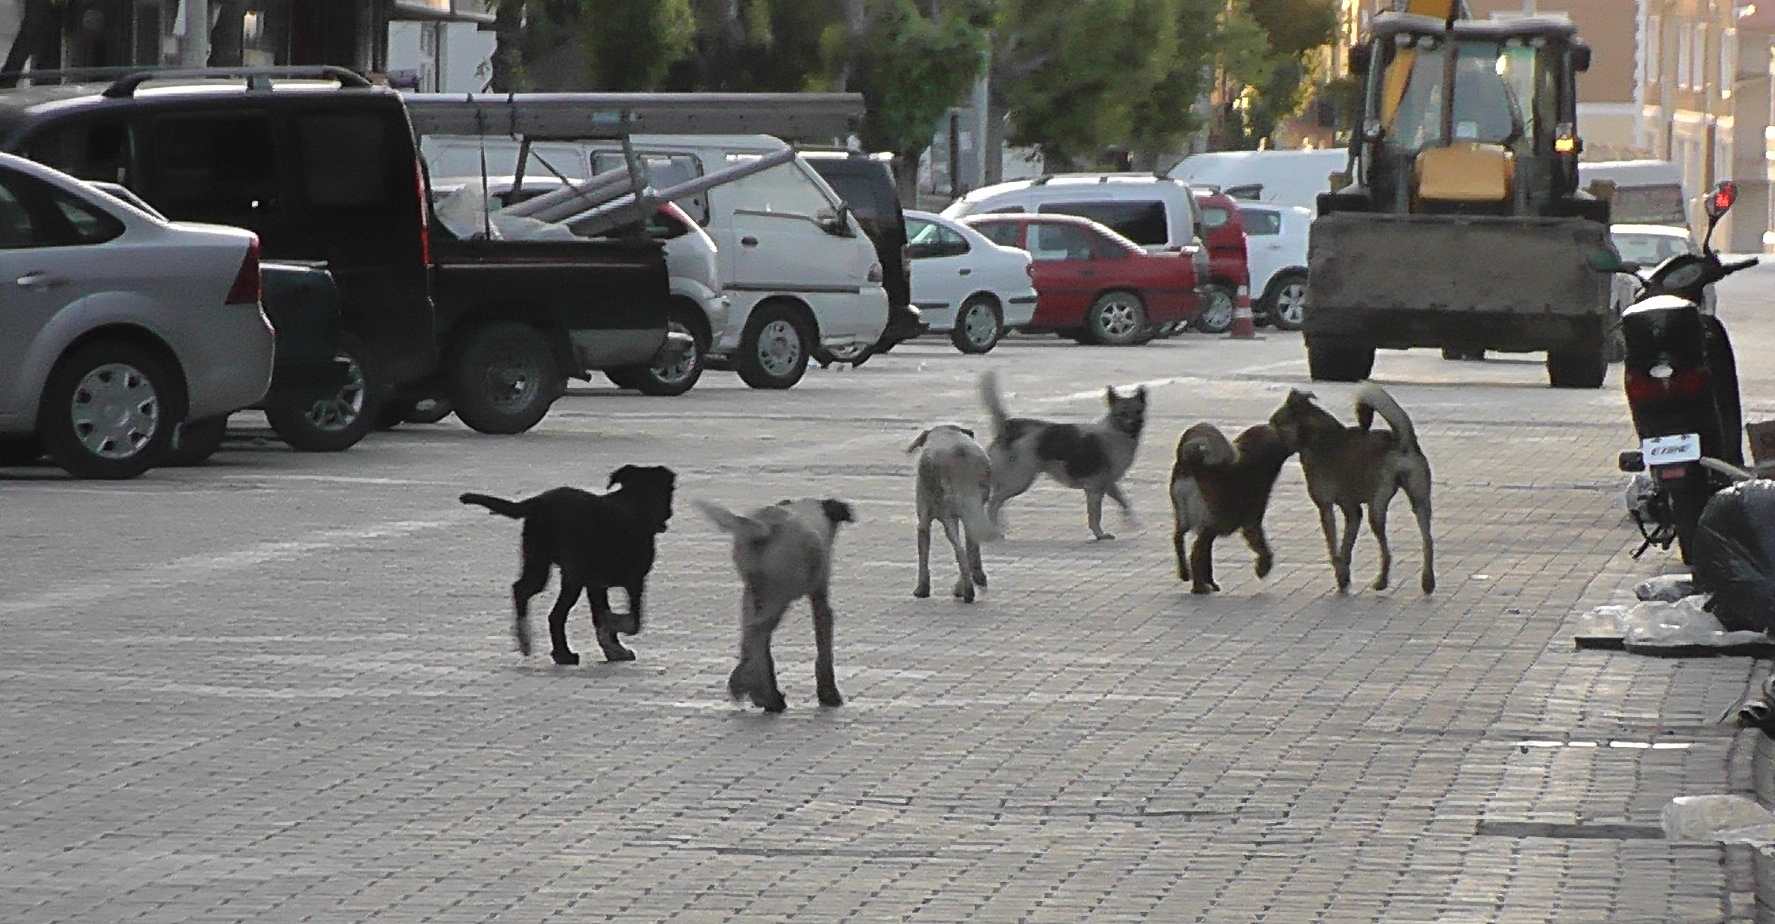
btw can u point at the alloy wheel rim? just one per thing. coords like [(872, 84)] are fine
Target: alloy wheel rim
[(1219, 311), (978, 325), (1120, 318), (115, 411), (674, 371), (342, 408), (1291, 302), (779, 347)]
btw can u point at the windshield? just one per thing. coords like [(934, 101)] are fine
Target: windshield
[(1502, 93), (1650, 249)]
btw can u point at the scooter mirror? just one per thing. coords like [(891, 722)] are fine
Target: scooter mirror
[(1721, 199)]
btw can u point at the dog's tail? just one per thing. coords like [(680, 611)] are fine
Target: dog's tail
[(742, 527), (1372, 399), (517, 510), (995, 403), (1203, 447)]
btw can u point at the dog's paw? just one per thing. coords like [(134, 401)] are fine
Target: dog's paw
[(1264, 565), (921, 591), (1380, 583), (1429, 583), (771, 702), (618, 654), (565, 658), (831, 698), (521, 632), (980, 578), (1103, 537), (963, 592), (1203, 589)]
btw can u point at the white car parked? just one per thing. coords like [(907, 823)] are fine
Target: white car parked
[(118, 326), (966, 285), (1276, 252)]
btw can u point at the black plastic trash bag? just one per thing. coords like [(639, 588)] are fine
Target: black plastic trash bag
[(1734, 555)]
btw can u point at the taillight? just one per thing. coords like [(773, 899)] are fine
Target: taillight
[(1029, 269), (424, 215), (1681, 383), (246, 288)]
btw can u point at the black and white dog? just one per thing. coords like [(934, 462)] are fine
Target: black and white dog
[(1092, 457)]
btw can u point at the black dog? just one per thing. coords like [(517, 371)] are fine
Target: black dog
[(599, 541)]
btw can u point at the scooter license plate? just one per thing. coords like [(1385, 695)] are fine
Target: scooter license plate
[(1669, 450)]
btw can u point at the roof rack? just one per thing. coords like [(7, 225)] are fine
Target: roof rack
[(582, 116), (257, 78), (1102, 176)]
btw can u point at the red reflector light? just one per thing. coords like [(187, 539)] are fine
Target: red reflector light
[(1684, 383), (424, 214), (1672, 472), (245, 290)]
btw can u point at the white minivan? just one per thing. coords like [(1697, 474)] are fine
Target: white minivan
[(797, 268), (1272, 177)]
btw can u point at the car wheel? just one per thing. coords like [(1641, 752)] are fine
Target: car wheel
[(1582, 366), (774, 349), (1218, 304), (337, 420), (1117, 319), (978, 325), (104, 412), (504, 378), (430, 410), (20, 450), (1288, 303), (852, 355), (198, 440), (1339, 361), (667, 378)]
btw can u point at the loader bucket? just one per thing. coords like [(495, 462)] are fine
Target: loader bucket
[(1475, 282)]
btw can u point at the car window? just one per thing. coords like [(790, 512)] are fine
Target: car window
[(345, 162), (1061, 242), (221, 169), (999, 232), (950, 242), (1214, 216), (920, 232), (91, 149), (783, 189), (36, 214), (1261, 222), (663, 170), (1005, 210), (1143, 223), (1649, 249)]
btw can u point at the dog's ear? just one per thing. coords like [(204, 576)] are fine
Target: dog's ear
[(1140, 393), (920, 442), (1109, 394), (838, 511), (621, 475)]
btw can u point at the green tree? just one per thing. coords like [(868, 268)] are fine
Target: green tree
[(910, 67), (633, 44), (1061, 72), (1265, 62)]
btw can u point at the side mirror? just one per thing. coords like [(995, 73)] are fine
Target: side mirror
[(1580, 58), (1720, 201), (1360, 56), (836, 223)]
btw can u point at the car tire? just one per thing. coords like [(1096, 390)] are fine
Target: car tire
[(198, 440), (1117, 319), (1287, 306), (853, 356), (337, 420), (1218, 304), (775, 347), (105, 411), (503, 378), (1339, 361), (979, 325), (20, 450), (1584, 365)]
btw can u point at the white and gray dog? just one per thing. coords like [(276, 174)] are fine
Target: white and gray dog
[(1091, 457), (783, 553), (954, 484)]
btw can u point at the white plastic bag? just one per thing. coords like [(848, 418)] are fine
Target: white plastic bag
[(1718, 819), (1655, 624), (1667, 588)]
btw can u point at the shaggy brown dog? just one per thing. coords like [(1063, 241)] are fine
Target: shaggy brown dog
[(1219, 488), (1347, 467)]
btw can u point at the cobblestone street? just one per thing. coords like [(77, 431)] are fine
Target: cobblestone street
[(281, 687)]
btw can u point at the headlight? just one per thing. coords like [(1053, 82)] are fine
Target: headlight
[(875, 273)]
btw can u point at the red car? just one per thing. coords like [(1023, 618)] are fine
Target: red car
[(1093, 284), (1229, 270)]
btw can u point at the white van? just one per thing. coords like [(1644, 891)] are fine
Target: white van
[(1156, 213), (1293, 178), (797, 268)]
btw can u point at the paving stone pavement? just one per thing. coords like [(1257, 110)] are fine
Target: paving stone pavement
[(281, 687)]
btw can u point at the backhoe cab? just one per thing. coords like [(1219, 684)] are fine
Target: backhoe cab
[(1461, 224)]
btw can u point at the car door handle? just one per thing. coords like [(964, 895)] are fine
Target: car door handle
[(964, 271), (748, 241), (40, 280)]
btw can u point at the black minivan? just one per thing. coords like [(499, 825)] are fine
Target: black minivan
[(322, 170), (866, 184)]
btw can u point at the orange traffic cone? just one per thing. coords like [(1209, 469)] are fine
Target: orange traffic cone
[(1244, 327)]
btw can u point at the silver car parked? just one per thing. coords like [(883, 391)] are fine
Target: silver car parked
[(117, 325)]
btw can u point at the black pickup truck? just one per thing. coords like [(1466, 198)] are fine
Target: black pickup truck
[(325, 170)]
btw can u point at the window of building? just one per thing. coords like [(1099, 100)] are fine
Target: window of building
[(1653, 53), (1698, 59), (1728, 61), (1685, 46)]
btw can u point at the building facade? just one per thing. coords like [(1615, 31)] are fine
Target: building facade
[(50, 34)]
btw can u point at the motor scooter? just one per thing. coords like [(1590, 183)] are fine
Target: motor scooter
[(1682, 388)]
